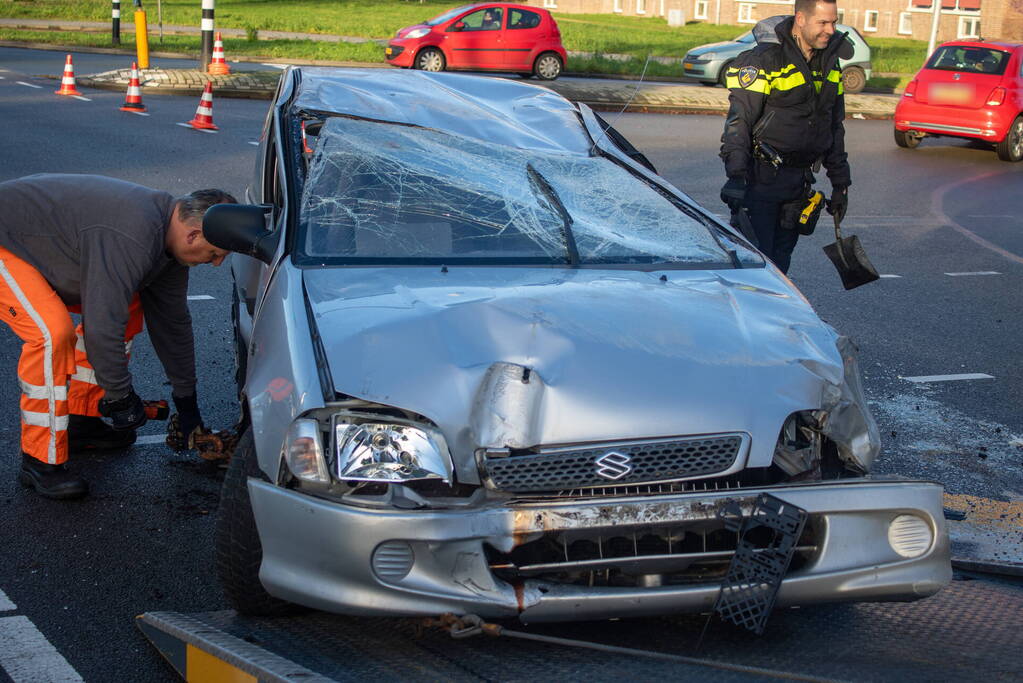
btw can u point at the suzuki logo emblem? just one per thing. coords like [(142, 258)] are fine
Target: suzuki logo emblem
[(613, 465)]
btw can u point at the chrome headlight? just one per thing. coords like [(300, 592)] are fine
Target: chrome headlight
[(417, 33), (368, 449)]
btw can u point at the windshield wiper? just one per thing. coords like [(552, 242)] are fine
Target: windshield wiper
[(566, 219)]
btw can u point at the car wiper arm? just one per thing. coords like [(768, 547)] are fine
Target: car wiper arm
[(566, 219)]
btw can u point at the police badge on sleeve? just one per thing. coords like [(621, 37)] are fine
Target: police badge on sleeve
[(747, 75)]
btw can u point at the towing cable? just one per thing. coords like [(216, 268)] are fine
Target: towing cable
[(469, 625)]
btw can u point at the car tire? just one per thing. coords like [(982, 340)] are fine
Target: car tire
[(723, 74), (904, 138), (430, 59), (854, 79), (238, 550), (547, 66), (1011, 147), (709, 84)]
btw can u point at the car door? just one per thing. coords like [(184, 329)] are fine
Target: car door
[(475, 40), (522, 37)]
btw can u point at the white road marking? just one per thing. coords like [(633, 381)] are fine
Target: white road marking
[(890, 275), (83, 99), (136, 113), (948, 378), (3, 78), (276, 66), (200, 297), (256, 144), (201, 130), (5, 603), (978, 272), (150, 440), (27, 656), (30, 85)]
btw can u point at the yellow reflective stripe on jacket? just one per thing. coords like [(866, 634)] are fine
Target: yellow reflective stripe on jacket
[(760, 84), (789, 82), (836, 77)]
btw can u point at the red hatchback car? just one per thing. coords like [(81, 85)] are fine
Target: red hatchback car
[(487, 37), (968, 89)]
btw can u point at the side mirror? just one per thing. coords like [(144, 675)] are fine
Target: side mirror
[(458, 26), (240, 228)]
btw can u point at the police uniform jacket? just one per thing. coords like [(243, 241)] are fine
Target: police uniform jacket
[(807, 101)]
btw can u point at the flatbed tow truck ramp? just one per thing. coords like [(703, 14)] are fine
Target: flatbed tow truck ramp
[(970, 631)]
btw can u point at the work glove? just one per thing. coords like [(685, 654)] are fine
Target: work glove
[(839, 202), (733, 193), (124, 413), (189, 418)]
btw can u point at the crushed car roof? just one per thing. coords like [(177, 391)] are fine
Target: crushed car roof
[(496, 110)]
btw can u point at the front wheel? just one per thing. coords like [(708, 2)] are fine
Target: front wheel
[(430, 59), (1011, 147), (904, 138), (547, 66), (723, 74), (238, 550), (854, 79)]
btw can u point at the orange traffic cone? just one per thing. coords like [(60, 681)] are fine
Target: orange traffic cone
[(67, 83), (133, 100), (204, 113), (218, 66)]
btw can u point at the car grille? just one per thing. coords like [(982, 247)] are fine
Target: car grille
[(684, 553), (624, 463)]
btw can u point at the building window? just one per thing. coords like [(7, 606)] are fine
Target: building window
[(550, 4), (870, 20), (746, 13), (640, 6), (969, 27), (841, 16), (618, 6), (700, 9), (905, 24)]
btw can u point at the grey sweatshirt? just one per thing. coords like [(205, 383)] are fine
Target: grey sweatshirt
[(98, 241)]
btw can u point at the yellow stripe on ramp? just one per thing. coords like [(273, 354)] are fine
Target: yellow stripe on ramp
[(202, 667)]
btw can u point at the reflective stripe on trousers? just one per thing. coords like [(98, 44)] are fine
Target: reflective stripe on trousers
[(85, 392), (36, 314)]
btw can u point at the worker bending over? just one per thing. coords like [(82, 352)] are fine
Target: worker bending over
[(115, 252)]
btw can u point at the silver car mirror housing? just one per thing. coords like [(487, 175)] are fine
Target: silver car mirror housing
[(241, 228)]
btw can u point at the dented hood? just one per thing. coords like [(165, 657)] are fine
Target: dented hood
[(618, 355)]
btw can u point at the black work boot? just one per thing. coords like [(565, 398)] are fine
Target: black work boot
[(51, 481), (93, 434)]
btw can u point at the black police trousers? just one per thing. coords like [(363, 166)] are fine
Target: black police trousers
[(769, 192)]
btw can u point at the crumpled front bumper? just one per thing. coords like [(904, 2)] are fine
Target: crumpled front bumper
[(320, 554)]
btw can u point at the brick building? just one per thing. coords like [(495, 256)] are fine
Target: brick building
[(992, 19)]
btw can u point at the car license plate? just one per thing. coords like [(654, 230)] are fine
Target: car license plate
[(951, 93), (388, 51)]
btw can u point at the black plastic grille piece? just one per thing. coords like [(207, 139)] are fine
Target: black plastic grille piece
[(619, 464), (751, 585)]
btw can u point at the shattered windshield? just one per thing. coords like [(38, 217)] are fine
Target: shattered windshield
[(387, 193)]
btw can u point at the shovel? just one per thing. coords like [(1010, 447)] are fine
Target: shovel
[(850, 259)]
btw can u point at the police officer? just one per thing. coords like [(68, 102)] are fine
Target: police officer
[(786, 97)]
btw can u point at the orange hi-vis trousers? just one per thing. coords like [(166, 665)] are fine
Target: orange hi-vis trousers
[(52, 352)]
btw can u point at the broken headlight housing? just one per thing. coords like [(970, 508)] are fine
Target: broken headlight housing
[(374, 448), (847, 421)]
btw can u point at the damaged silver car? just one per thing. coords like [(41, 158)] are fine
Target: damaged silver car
[(491, 362)]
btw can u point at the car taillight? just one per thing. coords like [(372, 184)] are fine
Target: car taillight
[(910, 89), (996, 97)]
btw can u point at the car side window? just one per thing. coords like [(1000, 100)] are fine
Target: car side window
[(521, 19), (488, 19)]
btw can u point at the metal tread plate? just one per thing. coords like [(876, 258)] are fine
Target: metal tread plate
[(972, 630)]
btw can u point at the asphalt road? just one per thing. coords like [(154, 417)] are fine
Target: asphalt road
[(79, 572)]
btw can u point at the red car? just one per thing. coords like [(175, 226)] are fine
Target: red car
[(483, 37), (968, 89)]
